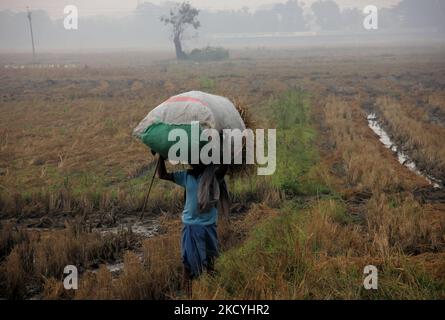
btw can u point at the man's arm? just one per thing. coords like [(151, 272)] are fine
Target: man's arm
[(162, 171)]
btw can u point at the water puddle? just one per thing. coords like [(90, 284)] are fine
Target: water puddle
[(146, 229), (402, 157), (117, 267)]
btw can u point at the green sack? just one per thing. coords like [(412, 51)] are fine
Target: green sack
[(156, 138)]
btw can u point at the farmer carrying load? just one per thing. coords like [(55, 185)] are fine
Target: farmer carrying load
[(205, 189), (202, 184)]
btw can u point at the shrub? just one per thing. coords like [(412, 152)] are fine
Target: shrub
[(209, 54)]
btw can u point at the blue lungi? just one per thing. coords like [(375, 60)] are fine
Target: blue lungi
[(199, 247)]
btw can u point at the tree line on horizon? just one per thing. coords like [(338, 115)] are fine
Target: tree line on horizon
[(144, 28)]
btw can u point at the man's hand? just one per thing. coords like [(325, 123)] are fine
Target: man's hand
[(162, 171), (221, 171)]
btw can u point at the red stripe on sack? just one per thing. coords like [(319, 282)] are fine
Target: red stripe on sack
[(186, 99)]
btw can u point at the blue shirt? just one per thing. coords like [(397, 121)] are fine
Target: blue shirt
[(191, 214)]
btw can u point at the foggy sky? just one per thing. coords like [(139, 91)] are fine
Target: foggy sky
[(124, 7), (118, 24)]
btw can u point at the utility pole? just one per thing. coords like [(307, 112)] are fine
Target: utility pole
[(32, 34)]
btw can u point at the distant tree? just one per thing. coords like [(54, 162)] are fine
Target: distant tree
[(421, 14), (352, 19), (181, 17), (327, 14), (389, 19), (291, 14)]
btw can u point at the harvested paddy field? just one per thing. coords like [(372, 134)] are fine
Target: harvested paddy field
[(359, 179)]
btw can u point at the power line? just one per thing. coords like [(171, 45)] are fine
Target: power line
[(32, 34)]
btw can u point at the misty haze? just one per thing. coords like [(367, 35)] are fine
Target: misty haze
[(288, 23)]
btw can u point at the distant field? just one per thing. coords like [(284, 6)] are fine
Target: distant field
[(70, 172)]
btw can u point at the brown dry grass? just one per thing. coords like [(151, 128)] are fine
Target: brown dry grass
[(421, 140), (319, 257), (156, 273), (437, 101), (395, 221), (320, 252), (367, 165), (34, 258), (153, 277), (66, 146)]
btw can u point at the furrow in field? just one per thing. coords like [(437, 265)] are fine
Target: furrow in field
[(421, 144), (402, 157)]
